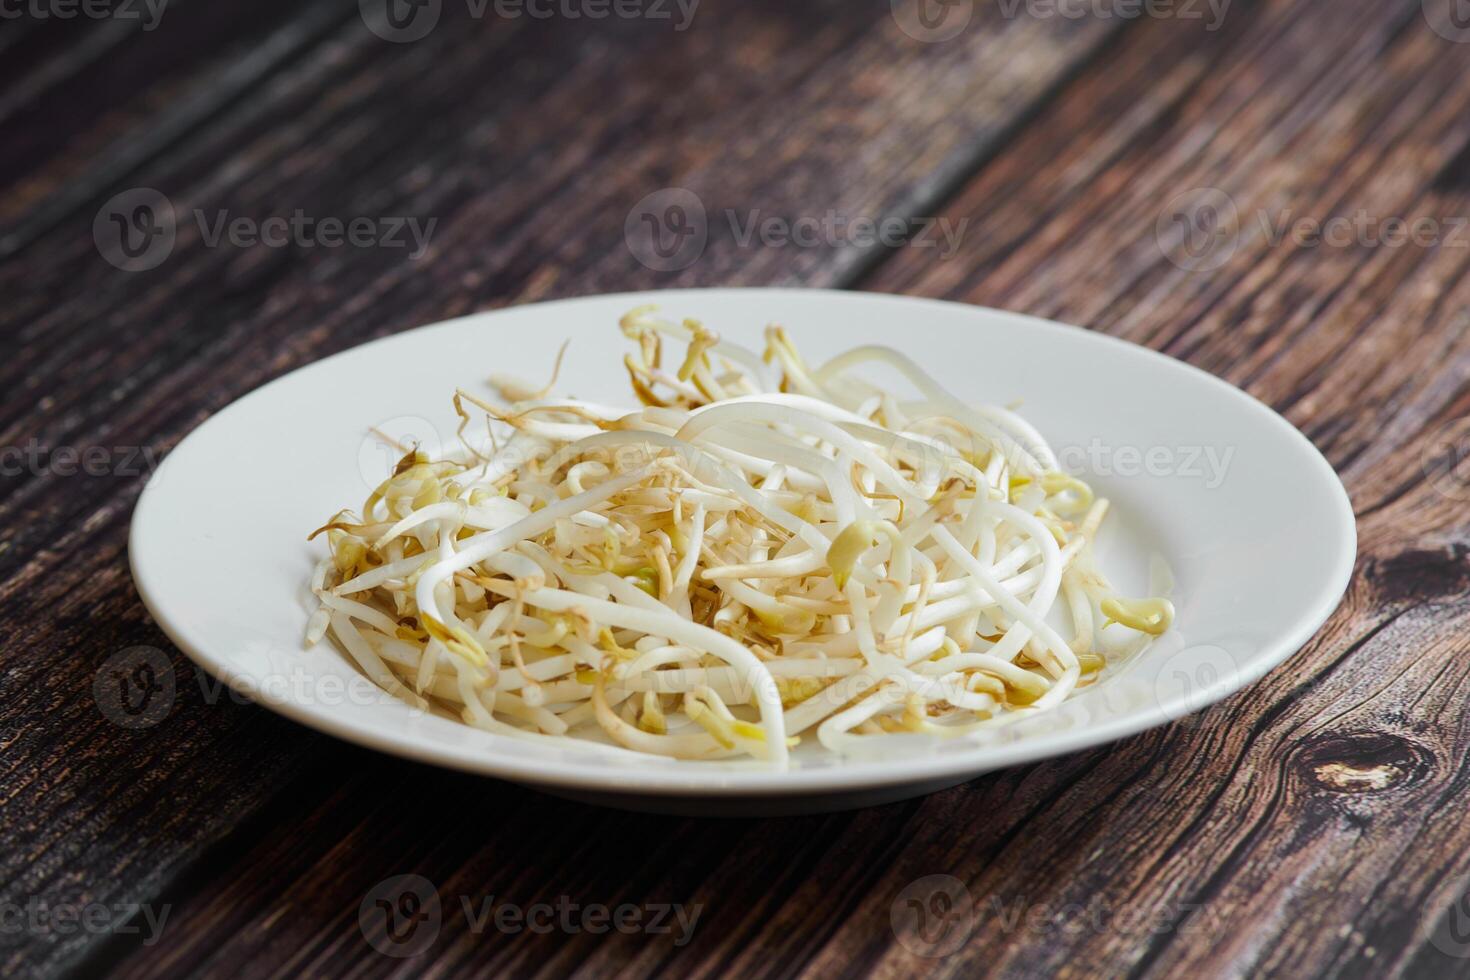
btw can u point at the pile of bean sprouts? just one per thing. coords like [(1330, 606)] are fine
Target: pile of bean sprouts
[(766, 550)]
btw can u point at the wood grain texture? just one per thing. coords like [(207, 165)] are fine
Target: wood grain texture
[(1310, 825)]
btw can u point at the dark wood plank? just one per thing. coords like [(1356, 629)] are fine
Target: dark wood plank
[(69, 88), (1307, 825), (505, 134), (1311, 825)]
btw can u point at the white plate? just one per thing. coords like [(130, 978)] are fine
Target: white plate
[(1250, 518)]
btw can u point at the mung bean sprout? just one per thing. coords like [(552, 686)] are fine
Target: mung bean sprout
[(764, 552)]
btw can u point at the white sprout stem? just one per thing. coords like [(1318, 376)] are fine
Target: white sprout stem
[(483, 546), (670, 577), (672, 627)]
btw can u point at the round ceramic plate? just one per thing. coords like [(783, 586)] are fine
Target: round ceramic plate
[(1214, 494)]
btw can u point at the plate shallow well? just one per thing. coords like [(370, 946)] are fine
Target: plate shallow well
[(1241, 510)]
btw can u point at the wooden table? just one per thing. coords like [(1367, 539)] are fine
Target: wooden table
[(1226, 189)]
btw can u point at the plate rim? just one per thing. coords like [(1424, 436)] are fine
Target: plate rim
[(680, 779)]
